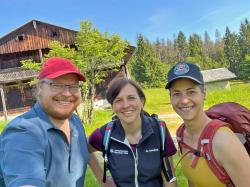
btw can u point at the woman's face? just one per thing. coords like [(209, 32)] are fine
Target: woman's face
[(128, 105), (187, 99)]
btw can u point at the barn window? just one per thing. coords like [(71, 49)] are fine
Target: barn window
[(20, 37), (54, 34)]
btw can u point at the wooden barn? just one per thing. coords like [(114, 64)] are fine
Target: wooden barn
[(217, 78), (30, 41)]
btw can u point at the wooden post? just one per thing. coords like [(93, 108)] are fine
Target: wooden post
[(124, 69), (39, 50), (3, 102), (40, 55), (21, 88)]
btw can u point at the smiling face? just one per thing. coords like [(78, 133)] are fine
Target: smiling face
[(128, 105), (57, 104), (187, 99)]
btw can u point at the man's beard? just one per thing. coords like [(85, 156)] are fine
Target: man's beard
[(60, 116)]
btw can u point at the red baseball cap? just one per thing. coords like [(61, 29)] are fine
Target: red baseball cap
[(57, 66)]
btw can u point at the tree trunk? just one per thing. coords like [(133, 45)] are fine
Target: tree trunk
[(91, 103), (91, 95)]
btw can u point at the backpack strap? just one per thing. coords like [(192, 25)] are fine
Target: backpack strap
[(197, 152), (205, 149), (167, 170), (179, 136), (105, 143), (207, 137)]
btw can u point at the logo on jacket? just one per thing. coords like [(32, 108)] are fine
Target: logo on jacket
[(151, 150), (119, 151)]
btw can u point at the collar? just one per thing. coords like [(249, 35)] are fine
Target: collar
[(147, 129)]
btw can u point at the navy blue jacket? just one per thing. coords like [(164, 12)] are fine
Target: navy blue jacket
[(142, 167)]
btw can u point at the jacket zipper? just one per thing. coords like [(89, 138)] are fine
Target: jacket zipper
[(135, 156)]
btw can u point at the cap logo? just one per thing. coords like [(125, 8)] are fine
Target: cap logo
[(181, 68)]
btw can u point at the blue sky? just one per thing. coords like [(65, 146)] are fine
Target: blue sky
[(152, 18)]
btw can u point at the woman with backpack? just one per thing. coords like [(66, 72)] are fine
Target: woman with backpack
[(133, 151), (187, 95)]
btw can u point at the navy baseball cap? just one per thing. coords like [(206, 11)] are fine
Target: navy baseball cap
[(184, 70)]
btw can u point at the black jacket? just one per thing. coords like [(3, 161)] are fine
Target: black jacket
[(141, 168)]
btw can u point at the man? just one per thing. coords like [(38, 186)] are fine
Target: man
[(187, 95), (46, 146)]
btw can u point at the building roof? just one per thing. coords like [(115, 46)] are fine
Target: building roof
[(15, 74), (214, 75), (32, 23), (35, 35)]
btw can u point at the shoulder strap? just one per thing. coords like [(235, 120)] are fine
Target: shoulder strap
[(182, 144), (207, 137), (162, 127), (107, 134), (179, 136), (205, 149), (105, 143), (167, 170)]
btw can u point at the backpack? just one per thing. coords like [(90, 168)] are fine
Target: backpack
[(230, 114), (167, 171)]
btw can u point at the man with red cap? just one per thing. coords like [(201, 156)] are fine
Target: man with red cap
[(46, 146)]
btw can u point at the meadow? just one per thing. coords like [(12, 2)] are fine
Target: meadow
[(158, 103)]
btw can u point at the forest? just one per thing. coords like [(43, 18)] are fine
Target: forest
[(152, 60)]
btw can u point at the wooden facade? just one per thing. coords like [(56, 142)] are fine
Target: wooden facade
[(29, 41)]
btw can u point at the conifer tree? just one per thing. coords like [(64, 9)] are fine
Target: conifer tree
[(232, 51), (145, 67), (182, 46), (245, 69), (244, 38)]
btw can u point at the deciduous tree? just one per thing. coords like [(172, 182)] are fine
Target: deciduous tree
[(96, 54)]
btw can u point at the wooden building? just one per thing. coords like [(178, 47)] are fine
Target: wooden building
[(30, 41), (217, 78)]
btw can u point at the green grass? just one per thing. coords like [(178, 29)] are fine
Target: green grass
[(90, 180), (2, 125), (239, 92), (158, 102), (100, 117)]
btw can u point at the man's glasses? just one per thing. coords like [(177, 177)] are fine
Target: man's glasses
[(58, 87)]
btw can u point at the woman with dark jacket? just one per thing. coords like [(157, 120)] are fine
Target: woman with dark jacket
[(134, 154)]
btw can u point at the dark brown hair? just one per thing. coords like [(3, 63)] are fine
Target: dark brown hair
[(117, 85)]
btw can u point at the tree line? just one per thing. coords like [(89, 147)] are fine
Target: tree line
[(152, 60)]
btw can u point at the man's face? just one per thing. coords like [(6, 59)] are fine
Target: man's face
[(187, 99), (59, 97)]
